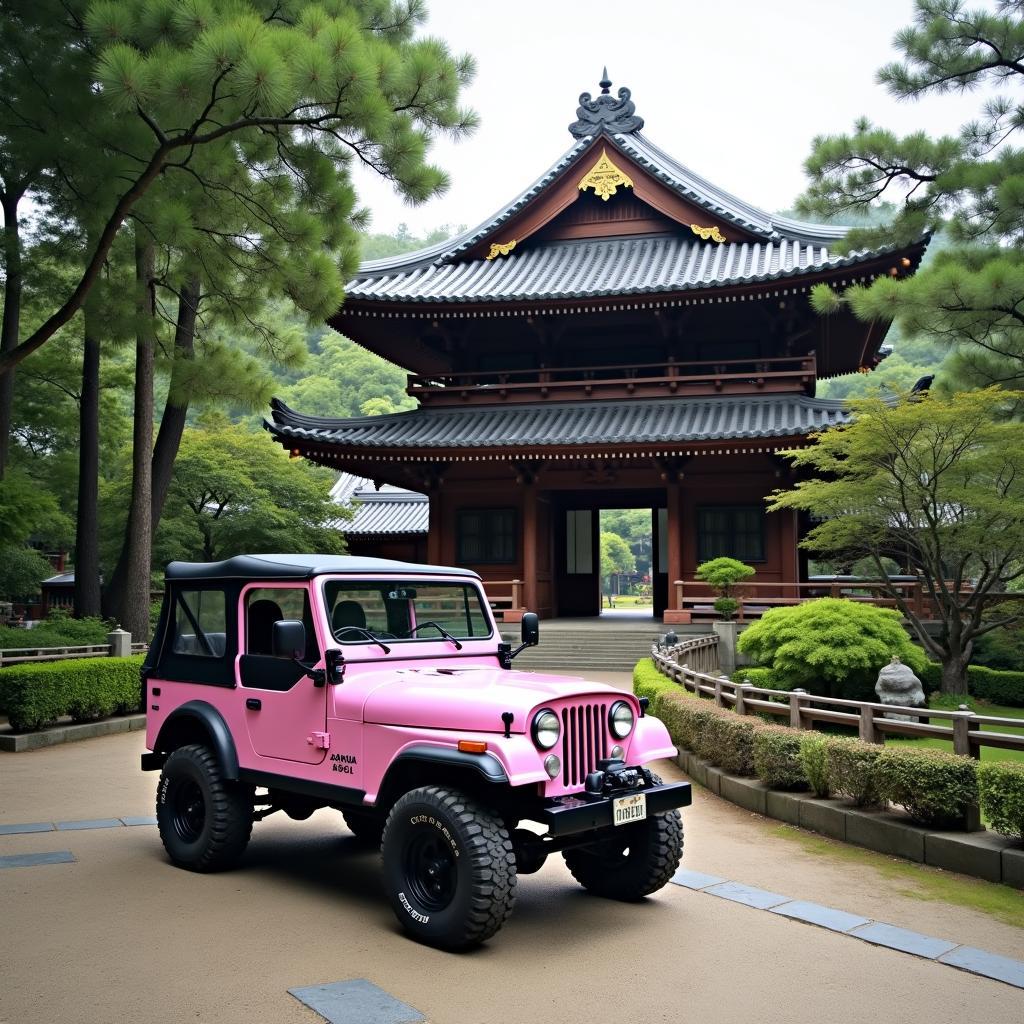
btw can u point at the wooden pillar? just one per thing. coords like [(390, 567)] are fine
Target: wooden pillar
[(435, 555), (530, 541), (674, 540)]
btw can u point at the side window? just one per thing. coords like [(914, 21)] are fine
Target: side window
[(200, 623), (266, 605)]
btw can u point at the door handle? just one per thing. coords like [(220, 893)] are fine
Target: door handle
[(253, 703)]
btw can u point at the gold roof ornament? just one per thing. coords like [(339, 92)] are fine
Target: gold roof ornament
[(605, 178), (500, 249), (712, 233)]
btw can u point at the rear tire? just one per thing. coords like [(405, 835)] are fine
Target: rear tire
[(631, 861), (204, 819), (449, 868)]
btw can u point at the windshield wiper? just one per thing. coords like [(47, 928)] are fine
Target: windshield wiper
[(444, 632), (362, 632)]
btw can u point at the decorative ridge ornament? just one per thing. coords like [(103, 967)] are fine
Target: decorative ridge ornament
[(500, 249), (711, 233), (605, 178), (605, 113)]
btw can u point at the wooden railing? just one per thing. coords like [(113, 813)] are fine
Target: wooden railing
[(802, 710), (755, 598), (505, 598), (705, 377), (22, 655), (699, 652)]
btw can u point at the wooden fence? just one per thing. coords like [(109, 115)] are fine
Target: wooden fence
[(802, 710), (22, 655)]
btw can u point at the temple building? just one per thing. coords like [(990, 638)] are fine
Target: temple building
[(622, 334)]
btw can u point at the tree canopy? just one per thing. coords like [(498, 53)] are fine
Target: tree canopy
[(967, 183), (936, 484)]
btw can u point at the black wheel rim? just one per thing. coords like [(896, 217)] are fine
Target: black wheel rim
[(189, 809), (430, 870)]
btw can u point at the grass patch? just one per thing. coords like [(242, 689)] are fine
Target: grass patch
[(987, 753), (918, 881)]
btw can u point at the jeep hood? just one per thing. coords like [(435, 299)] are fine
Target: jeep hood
[(471, 698)]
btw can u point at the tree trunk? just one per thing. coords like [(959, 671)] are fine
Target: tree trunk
[(130, 600), (172, 423), (87, 554), (11, 324), (168, 439), (954, 674)]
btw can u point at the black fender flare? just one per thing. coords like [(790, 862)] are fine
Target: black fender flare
[(212, 723), (485, 766)]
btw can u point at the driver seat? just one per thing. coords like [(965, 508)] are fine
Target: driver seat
[(347, 613)]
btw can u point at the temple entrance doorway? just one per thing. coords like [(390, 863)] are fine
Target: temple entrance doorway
[(636, 585)]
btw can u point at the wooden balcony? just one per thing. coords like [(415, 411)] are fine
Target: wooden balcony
[(644, 380)]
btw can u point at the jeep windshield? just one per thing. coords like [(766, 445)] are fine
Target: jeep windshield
[(363, 611)]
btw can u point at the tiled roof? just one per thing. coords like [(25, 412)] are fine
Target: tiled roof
[(595, 267), (722, 417), (387, 510), (686, 183)]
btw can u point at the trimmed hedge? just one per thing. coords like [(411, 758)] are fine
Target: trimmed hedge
[(851, 769), (649, 682), (1001, 788), (37, 694), (935, 787), (992, 684), (57, 631), (731, 737), (777, 757), (814, 761)]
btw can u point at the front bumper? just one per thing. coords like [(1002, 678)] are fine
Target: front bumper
[(586, 812)]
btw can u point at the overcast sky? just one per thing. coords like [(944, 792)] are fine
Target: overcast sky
[(735, 89)]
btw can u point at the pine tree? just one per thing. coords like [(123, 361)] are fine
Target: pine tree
[(969, 183)]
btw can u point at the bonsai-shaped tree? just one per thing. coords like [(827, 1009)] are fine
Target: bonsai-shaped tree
[(831, 646), (723, 574)]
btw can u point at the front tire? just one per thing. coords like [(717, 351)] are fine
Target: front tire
[(204, 820), (449, 868), (630, 861)]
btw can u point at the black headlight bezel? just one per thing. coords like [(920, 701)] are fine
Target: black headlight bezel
[(534, 725), (611, 719)]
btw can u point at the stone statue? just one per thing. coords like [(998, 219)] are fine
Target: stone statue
[(898, 685)]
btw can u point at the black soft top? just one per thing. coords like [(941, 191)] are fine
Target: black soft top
[(302, 567)]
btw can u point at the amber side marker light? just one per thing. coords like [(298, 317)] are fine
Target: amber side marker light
[(472, 746)]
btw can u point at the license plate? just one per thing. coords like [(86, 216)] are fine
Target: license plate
[(627, 809)]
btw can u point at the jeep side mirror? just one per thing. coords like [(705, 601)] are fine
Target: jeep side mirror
[(530, 637), (530, 629), (288, 639)]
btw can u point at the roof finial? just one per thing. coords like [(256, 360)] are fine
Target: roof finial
[(606, 114)]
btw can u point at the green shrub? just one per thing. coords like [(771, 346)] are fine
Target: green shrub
[(830, 643), (994, 685), (1001, 788), (851, 769), (696, 723), (726, 606), (671, 708), (758, 675), (814, 761), (649, 682), (730, 739), (83, 688), (934, 786), (777, 757)]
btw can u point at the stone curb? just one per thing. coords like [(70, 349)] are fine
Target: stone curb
[(986, 855), (17, 742)]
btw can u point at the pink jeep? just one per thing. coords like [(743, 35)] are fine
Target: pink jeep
[(382, 689)]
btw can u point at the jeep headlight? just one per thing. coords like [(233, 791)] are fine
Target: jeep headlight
[(620, 719), (545, 729)]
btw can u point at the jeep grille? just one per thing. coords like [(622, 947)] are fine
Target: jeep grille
[(584, 741)]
